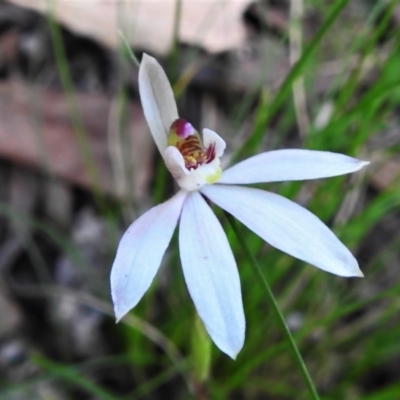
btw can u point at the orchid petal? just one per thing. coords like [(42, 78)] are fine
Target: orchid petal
[(286, 226), (210, 137), (157, 100), (140, 252), (211, 274), (290, 165), (175, 163)]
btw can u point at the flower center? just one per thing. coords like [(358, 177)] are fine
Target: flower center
[(187, 140)]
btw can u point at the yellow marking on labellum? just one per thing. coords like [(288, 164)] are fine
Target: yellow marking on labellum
[(215, 177)]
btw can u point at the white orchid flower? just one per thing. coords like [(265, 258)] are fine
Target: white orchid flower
[(208, 264)]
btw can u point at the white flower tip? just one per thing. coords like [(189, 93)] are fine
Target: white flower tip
[(357, 164), (120, 309), (359, 274), (354, 271), (147, 63), (119, 314), (362, 164), (231, 347), (348, 267), (234, 355), (148, 59), (231, 351)]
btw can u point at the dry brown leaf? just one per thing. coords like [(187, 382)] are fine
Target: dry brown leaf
[(215, 25), (36, 131), (386, 174)]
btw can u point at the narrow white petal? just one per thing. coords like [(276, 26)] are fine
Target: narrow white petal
[(211, 274), (210, 137), (175, 163), (286, 226), (290, 165), (140, 252), (158, 100)]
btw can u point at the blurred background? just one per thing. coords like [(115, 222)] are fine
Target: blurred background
[(78, 165)]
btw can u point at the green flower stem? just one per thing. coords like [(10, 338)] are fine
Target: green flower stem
[(200, 358), (292, 344)]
